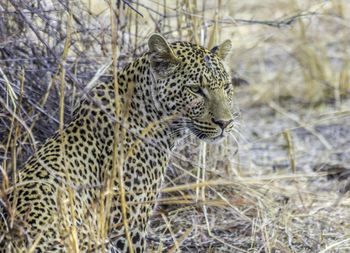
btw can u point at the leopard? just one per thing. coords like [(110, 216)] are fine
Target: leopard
[(93, 185)]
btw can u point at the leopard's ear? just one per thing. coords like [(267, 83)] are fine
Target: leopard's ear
[(222, 50), (162, 58)]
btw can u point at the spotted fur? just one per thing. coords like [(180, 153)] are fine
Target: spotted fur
[(167, 92)]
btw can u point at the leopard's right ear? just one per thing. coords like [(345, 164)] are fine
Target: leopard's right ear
[(223, 50), (162, 57)]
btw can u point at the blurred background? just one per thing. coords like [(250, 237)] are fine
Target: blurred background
[(279, 184)]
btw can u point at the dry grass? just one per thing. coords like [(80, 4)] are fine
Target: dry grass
[(260, 196)]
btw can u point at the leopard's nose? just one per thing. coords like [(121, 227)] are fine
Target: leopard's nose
[(222, 123)]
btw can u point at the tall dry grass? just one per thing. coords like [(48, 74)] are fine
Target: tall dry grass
[(290, 51)]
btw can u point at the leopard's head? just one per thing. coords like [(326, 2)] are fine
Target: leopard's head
[(191, 84)]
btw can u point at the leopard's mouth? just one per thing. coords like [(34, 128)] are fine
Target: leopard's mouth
[(210, 132), (207, 133), (203, 130)]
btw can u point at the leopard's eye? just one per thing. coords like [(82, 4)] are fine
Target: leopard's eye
[(195, 89)]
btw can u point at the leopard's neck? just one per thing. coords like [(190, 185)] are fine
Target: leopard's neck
[(143, 112), (140, 116)]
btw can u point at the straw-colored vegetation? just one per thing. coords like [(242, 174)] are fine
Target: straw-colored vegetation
[(269, 193)]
